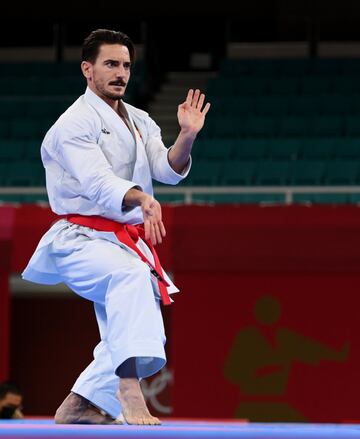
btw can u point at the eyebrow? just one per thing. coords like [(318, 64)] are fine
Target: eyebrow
[(116, 61)]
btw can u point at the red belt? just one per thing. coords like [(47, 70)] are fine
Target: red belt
[(128, 235)]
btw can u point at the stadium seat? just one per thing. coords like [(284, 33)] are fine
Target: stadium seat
[(352, 126), (257, 198), (238, 173), (317, 148), (283, 149), (250, 149), (341, 172), (347, 148), (170, 198), (326, 126), (316, 85), (293, 126), (235, 106), (260, 127), (283, 86), (205, 173), (214, 149), (272, 105), (11, 150), (306, 173), (24, 173), (336, 105), (304, 105), (272, 173), (327, 198)]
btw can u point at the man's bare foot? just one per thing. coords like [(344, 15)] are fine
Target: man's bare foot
[(133, 404), (75, 409)]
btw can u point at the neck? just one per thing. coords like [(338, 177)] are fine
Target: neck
[(113, 103)]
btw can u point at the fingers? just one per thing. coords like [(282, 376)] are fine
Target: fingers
[(206, 109), (153, 225), (153, 236), (200, 101), (156, 232), (147, 227), (196, 100), (192, 97), (189, 96), (162, 229)]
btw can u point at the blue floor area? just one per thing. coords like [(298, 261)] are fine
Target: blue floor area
[(178, 429)]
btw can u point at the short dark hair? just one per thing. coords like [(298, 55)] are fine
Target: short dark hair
[(9, 387), (92, 43)]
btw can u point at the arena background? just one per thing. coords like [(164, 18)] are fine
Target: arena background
[(266, 325)]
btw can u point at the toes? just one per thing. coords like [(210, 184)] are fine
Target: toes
[(143, 421), (153, 421)]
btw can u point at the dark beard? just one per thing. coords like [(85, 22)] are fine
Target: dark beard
[(108, 94), (111, 96)]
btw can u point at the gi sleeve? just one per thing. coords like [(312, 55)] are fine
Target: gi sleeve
[(158, 157), (82, 158)]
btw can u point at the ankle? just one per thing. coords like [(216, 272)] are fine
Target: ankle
[(129, 384)]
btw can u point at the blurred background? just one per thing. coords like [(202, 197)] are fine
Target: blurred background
[(263, 236)]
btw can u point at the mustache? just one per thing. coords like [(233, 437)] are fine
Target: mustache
[(119, 82)]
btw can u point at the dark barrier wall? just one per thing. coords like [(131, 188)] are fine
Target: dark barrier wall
[(266, 326), (7, 218)]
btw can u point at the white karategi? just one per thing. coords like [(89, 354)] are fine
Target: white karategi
[(91, 160)]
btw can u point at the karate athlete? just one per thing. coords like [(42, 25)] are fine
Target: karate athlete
[(100, 157)]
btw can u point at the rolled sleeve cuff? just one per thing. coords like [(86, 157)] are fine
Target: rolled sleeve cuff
[(171, 176), (119, 195)]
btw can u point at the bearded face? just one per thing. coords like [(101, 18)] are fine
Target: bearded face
[(109, 75)]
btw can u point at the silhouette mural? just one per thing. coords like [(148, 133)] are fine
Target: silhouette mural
[(261, 367)]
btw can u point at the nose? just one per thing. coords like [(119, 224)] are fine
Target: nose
[(121, 72)]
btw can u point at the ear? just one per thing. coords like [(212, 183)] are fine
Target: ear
[(86, 68)]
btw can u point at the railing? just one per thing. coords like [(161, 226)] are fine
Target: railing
[(287, 191), (190, 191)]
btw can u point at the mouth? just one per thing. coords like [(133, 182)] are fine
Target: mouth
[(117, 84)]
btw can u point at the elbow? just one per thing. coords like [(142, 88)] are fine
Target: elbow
[(99, 190)]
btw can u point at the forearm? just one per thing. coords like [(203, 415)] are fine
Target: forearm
[(134, 197), (179, 154)]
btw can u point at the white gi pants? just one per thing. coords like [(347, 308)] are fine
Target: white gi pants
[(126, 305)]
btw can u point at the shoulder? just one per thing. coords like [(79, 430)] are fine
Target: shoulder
[(80, 117), (143, 118), (134, 111)]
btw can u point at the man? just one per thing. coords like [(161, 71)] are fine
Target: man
[(100, 157), (11, 399)]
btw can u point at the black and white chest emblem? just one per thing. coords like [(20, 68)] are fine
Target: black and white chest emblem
[(105, 131)]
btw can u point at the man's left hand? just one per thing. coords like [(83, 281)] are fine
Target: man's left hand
[(191, 114)]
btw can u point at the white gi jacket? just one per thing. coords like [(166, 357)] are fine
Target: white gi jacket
[(91, 160)]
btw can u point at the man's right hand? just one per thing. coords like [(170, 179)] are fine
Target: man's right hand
[(154, 227)]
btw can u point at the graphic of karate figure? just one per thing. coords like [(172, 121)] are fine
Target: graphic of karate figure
[(262, 370)]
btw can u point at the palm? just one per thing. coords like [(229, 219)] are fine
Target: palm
[(191, 115)]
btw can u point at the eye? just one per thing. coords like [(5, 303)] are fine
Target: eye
[(127, 65)]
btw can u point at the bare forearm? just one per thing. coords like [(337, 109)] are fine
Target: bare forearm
[(179, 154), (134, 197), (191, 116)]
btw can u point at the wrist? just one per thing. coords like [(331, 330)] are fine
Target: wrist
[(188, 133), (134, 197)]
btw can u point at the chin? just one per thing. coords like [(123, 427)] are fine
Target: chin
[(115, 96)]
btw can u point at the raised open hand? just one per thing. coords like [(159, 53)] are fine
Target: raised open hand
[(191, 114)]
